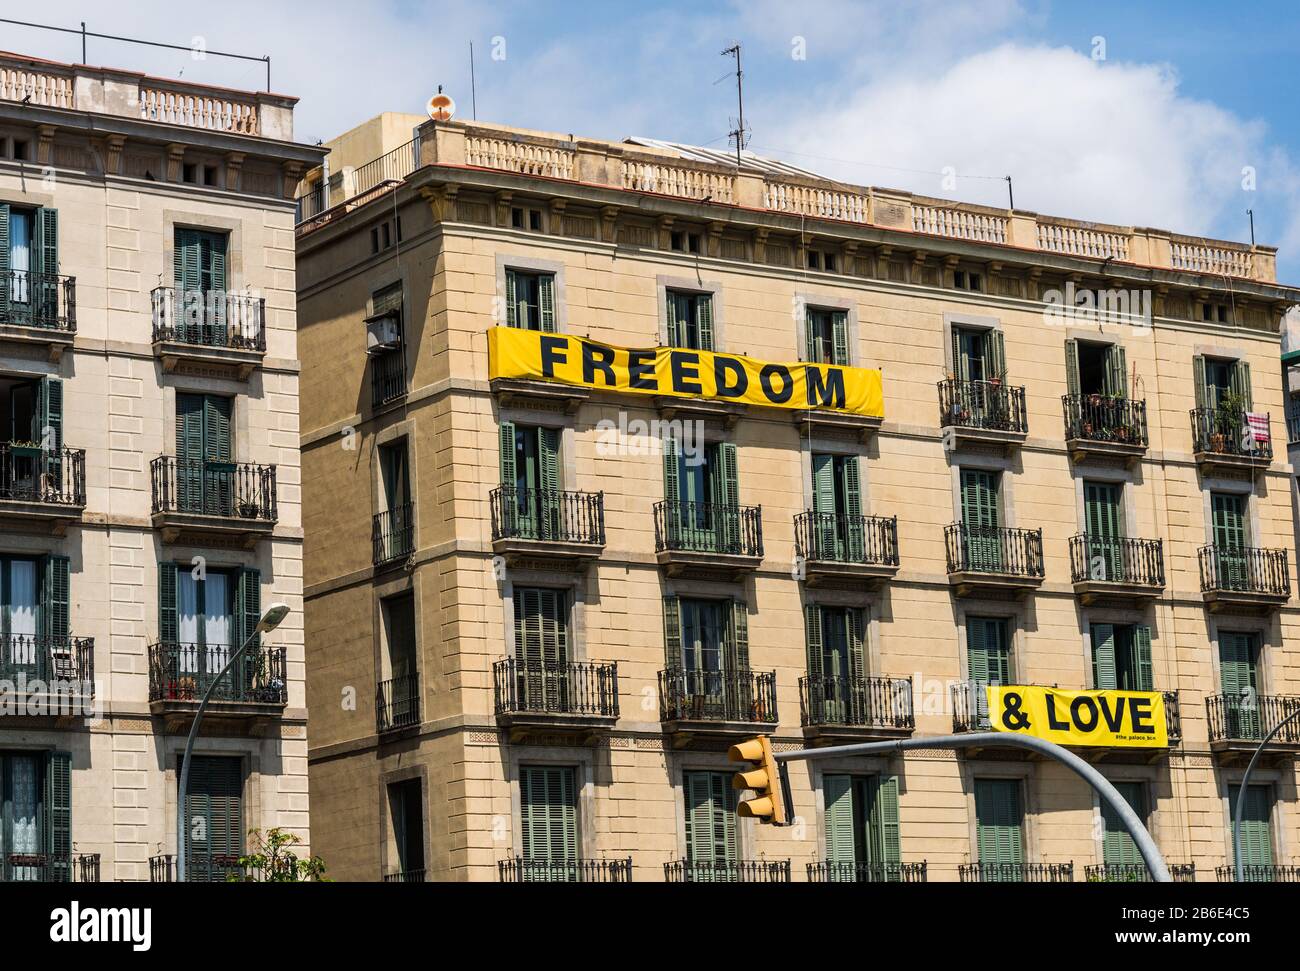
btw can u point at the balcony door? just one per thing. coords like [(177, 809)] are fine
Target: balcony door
[(704, 658), (838, 532), (711, 837), (1256, 825), (548, 822), (406, 806), (19, 616), (981, 501), (1117, 846), (861, 827), (215, 811), (400, 660), (199, 271), (1096, 369), (1121, 657), (988, 662), (999, 828), (836, 664), (1228, 523), (1239, 680), (1104, 520), (703, 491), (542, 649), (530, 464), (205, 474), (29, 265), (205, 614), (396, 536)]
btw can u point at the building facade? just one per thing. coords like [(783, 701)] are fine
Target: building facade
[(149, 473), (538, 612)]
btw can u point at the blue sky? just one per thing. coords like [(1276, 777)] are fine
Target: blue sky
[(1155, 125)]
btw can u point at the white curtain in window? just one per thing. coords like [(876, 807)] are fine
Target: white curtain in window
[(22, 610), (20, 253), (26, 807), (216, 621), (187, 619)]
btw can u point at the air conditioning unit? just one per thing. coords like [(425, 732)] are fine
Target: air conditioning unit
[(382, 333)]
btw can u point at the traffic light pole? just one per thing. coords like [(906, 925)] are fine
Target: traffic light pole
[(1145, 844)]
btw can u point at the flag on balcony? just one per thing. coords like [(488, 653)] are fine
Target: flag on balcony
[(1258, 425)]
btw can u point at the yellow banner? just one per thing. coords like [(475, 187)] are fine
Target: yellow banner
[(682, 373), (1121, 719)]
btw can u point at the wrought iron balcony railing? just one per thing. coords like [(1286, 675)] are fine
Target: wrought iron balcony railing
[(183, 672), (727, 871), (1292, 420), (1258, 873), (1227, 431), (884, 703), (392, 534), (46, 300), (199, 868), (1173, 716), (405, 876), (989, 405), (841, 872), (397, 703), (48, 868), (700, 527), (1244, 569), (53, 476), (387, 377), (231, 490), (717, 696), (520, 869), (1250, 717), (55, 661), (574, 688), (548, 515), (1105, 419), (209, 318), (828, 536), (1095, 559), (994, 550), (1135, 873), (1016, 872)]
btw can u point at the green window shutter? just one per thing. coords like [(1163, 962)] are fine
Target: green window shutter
[(508, 471), (215, 250), (1256, 824), (812, 620), (852, 486), (1142, 658), (55, 597), (673, 632), (823, 482), (811, 326), (1228, 519), (882, 820), (214, 813), (1237, 663), (4, 261), (548, 813), (1072, 384), (960, 363), (167, 624), (704, 320), (512, 290), (1241, 382), (58, 813), (977, 650), (1116, 371), (1103, 657), (185, 259), (1117, 846), (1199, 385), (857, 634), (979, 498), (998, 821), (997, 355), (672, 485), (546, 301), (1103, 512), (738, 638), (248, 604), (837, 790), (840, 338), (548, 441), (730, 494), (528, 626), (217, 428), (710, 818), (46, 257), (49, 414), (189, 427), (679, 315)]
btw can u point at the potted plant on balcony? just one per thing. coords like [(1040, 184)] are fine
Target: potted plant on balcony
[(1229, 416), (248, 509)]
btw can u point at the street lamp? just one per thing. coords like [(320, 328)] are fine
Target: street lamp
[(270, 620)]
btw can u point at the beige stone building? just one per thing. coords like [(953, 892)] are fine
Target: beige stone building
[(532, 634), (149, 473)]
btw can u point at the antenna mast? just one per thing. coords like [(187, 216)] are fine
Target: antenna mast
[(739, 133)]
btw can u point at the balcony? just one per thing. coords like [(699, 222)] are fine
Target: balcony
[(995, 560), (849, 551), (213, 503), (1259, 873), (578, 699), (727, 871), (397, 703), (206, 332), (715, 704), (405, 876), (1135, 873), (983, 413), (245, 701), (1016, 872), (1224, 442), (826, 872), (38, 310), (48, 677), (1104, 427), (1239, 722), (387, 378), (548, 528), (1244, 578), (216, 868), (1118, 571), (856, 709), (392, 535), (520, 870), (42, 488), (708, 542), (46, 868)]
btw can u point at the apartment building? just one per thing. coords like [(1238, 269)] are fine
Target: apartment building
[(541, 604), (149, 474)]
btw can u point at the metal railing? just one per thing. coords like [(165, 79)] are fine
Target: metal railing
[(994, 549), (310, 203), (1250, 717), (989, 405), (397, 703), (54, 476), (837, 538), (1292, 421), (1016, 872), (1173, 716), (232, 490), (845, 872), (392, 166), (183, 672), (1103, 418), (199, 868), (1258, 873), (1096, 559), (392, 534), (548, 515), (573, 688), (45, 300), (520, 869), (1226, 431), (1244, 569), (727, 871), (55, 661), (48, 868), (858, 702), (700, 527), (387, 377), (717, 696), (405, 876), (1135, 873), (209, 318)]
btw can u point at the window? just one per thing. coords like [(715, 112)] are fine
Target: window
[(406, 806), (205, 473), (1096, 369), (711, 839), (1221, 383), (828, 336), (967, 280), (703, 493), (836, 641), (1228, 529), (690, 320), (395, 475), (1215, 312), (999, 826), (981, 502), (1117, 847), (527, 218), (31, 413), (1103, 513), (1239, 671), (29, 265), (1121, 657), (530, 300), (542, 648), (706, 638), (385, 234), (978, 354), (861, 825), (388, 365), (823, 260), (394, 530), (400, 696), (34, 617), (988, 651), (15, 148), (202, 616), (1256, 824), (35, 815), (837, 504), (548, 820), (214, 807), (530, 466), (684, 242)]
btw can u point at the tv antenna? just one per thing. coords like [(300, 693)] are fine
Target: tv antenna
[(740, 133)]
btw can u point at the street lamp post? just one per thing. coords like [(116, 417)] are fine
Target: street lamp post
[(1239, 809), (269, 621)]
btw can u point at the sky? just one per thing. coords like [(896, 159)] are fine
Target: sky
[(1176, 115)]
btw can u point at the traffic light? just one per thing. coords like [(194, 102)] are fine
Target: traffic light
[(771, 796)]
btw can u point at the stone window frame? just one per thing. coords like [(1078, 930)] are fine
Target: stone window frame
[(807, 300), (1262, 628), (387, 848), (399, 585), (1013, 613), (582, 761), (1024, 775), (863, 766), (1262, 775), (1119, 616), (694, 285), (871, 654), (678, 764), (174, 219), (538, 418), (1005, 466), (575, 586), (531, 264)]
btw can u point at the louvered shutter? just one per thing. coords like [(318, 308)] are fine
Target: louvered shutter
[(812, 614), (728, 496), (248, 611), (45, 262), (55, 598), (185, 261), (49, 417), (6, 283), (214, 816), (546, 302), (960, 363), (1199, 386), (997, 354), (1240, 382), (738, 638), (189, 452), (508, 472), (1142, 658), (999, 839), (1103, 657), (710, 818), (857, 636), (548, 500), (512, 295), (167, 626), (1072, 383), (977, 651), (58, 814), (679, 315), (855, 531), (672, 632), (704, 320), (1117, 846), (1256, 824), (1116, 371), (826, 535), (840, 838), (840, 338), (882, 820)]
